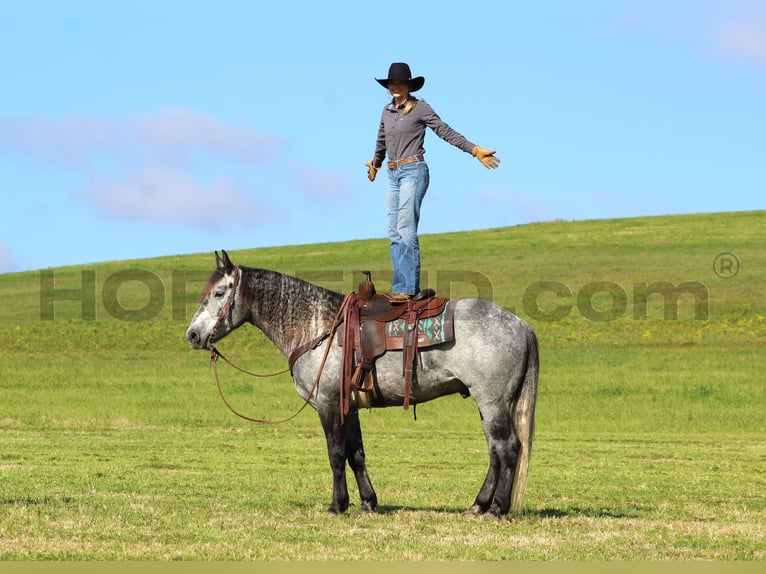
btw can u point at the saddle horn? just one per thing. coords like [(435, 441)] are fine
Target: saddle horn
[(366, 289)]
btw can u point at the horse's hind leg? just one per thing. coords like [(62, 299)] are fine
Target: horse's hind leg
[(494, 498), (356, 460), (484, 498)]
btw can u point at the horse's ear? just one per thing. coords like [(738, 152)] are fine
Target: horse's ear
[(222, 262)]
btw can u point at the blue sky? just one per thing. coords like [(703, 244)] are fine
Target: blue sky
[(142, 129)]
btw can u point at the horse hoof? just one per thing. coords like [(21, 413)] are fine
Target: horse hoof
[(494, 514), (475, 510), (367, 508)]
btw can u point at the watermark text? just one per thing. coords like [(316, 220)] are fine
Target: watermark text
[(545, 301)]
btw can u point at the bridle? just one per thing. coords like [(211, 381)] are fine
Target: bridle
[(227, 308), (215, 354)]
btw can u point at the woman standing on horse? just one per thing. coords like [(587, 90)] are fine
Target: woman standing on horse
[(401, 135)]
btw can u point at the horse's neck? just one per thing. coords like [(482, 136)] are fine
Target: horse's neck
[(288, 310)]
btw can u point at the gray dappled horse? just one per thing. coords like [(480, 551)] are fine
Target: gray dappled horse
[(493, 358)]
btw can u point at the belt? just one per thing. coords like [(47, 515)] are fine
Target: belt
[(405, 161)]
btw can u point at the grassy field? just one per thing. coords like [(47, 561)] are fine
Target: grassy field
[(651, 420)]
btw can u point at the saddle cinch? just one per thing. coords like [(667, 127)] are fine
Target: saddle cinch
[(375, 324)]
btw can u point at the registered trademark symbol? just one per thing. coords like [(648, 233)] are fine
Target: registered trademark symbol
[(726, 265)]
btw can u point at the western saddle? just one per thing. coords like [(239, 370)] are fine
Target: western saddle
[(374, 324)]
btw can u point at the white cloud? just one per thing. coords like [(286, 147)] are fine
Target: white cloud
[(159, 167), (63, 141), (169, 166), (180, 131), (78, 140), (746, 38), (162, 195), (736, 28)]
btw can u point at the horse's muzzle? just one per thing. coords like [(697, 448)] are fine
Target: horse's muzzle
[(195, 339)]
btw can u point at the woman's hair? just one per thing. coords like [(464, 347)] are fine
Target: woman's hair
[(408, 105)]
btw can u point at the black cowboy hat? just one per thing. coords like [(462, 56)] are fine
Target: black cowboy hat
[(399, 71)]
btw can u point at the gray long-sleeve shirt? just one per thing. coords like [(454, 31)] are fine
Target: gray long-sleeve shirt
[(402, 136)]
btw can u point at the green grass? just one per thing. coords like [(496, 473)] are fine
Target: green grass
[(650, 431)]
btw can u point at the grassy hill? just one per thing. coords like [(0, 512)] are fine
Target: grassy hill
[(651, 416)]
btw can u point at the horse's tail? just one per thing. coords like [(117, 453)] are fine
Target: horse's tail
[(524, 421)]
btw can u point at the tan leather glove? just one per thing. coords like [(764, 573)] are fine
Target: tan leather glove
[(486, 157), (372, 171)]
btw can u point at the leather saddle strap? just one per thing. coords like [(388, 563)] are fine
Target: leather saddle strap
[(306, 347), (410, 349), (351, 332)]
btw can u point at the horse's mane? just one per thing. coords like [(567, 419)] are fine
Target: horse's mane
[(290, 311), (286, 283), (290, 288)]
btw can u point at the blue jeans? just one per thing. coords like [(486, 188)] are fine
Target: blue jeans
[(407, 186)]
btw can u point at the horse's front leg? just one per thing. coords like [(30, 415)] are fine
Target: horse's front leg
[(356, 460), (335, 434)]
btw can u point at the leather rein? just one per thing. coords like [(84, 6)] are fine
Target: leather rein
[(313, 344)]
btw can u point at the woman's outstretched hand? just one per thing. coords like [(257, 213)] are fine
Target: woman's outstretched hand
[(486, 157)]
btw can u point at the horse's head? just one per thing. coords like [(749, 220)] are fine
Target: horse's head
[(217, 315)]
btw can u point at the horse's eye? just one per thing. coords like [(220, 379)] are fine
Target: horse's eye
[(219, 293)]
